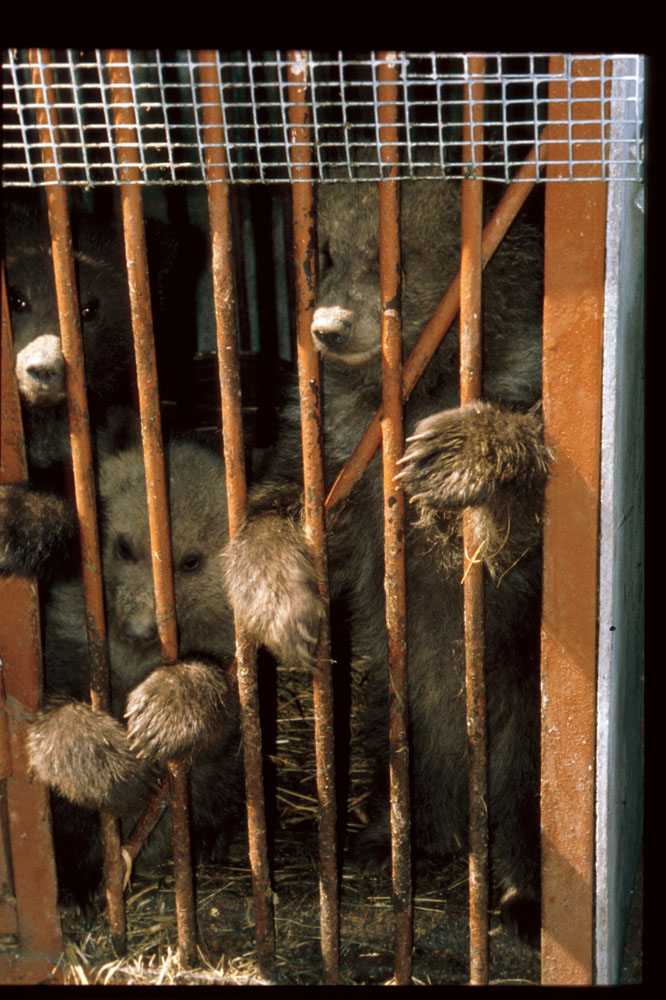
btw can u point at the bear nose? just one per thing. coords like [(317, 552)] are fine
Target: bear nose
[(44, 374), (332, 326), (140, 628), (40, 370)]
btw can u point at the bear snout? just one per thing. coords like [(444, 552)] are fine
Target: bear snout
[(332, 326), (40, 371), (140, 627)]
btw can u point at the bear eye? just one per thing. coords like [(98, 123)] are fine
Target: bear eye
[(124, 549), (191, 563), (90, 310), (17, 301)]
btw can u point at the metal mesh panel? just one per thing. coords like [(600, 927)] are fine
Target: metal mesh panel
[(253, 90)]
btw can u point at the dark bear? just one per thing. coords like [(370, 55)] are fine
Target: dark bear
[(489, 456), (37, 525), (105, 323), (188, 711)]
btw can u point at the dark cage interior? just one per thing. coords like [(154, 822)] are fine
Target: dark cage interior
[(282, 692)]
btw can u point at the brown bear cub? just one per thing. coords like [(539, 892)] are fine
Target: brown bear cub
[(38, 525), (488, 456), (188, 711)]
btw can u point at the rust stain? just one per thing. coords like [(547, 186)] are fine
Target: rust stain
[(394, 517), (471, 267), (156, 484), (314, 513), (219, 209), (84, 489)]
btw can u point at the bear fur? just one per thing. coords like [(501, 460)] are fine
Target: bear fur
[(489, 456), (187, 711)]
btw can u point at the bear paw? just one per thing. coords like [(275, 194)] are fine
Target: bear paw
[(85, 756), (272, 586), (177, 711), (462, 457), (34, 527)]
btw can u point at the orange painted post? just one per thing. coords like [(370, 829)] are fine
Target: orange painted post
[(234, 459), (572, 375), (471, 383), (394, 515), (156, 484), (28, 898), (314, 494)]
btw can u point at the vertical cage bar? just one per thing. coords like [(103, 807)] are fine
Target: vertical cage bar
[(28, 907), (219, 210), (471, 385), (314, 494), (394, 514), (433, 333), (82, 464), (156, 485), (572, 368)]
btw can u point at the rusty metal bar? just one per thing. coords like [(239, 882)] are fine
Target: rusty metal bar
[(314, 494), (219, 210), (156, 484), (572, 374), (394, 515), (471, 360), (13, 463), (84, 479), (493, 233), (28, 907)]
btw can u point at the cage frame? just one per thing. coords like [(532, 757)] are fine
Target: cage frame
[(586, 198)]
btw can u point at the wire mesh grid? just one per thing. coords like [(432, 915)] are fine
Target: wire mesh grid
[(253, 92)]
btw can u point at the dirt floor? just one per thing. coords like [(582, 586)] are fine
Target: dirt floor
[(226, 930), (225, 927), (227, 952)]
